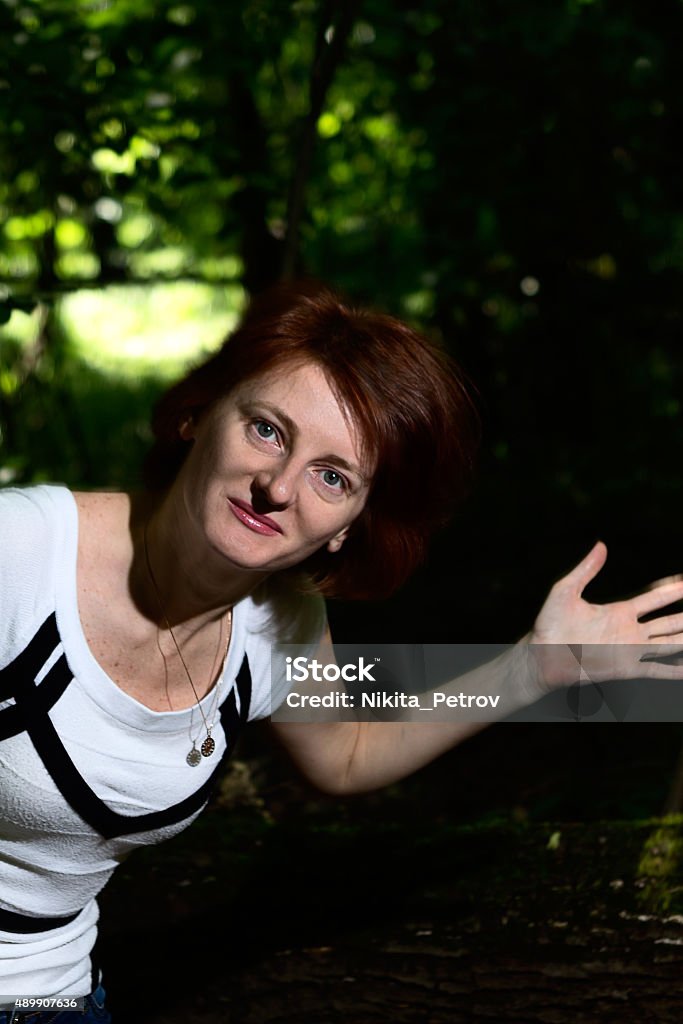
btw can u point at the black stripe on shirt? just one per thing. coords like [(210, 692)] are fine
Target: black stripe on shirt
[(30, 714)]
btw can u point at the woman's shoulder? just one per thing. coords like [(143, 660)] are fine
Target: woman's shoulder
[(41, 525), (282, 611), (35, 525), (30, 513), (102, 516), (47, 510), (30, 494), (102, 503), (285, 610)]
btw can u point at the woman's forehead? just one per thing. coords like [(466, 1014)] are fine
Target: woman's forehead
[(297, 385)]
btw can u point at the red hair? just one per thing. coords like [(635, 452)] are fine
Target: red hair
[(406, 397)]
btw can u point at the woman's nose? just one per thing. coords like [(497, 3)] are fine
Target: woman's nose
[(276, 484)]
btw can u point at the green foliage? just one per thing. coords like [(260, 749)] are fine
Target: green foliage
[(127, 124), (77, 381), (659, 867), (460, 153)]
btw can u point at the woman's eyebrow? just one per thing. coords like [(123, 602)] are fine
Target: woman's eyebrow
[(254, 406)]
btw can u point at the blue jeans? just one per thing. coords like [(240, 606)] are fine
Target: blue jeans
[(95, 1013)]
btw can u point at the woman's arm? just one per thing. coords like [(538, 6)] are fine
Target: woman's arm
[(355, 757), (606, 641)]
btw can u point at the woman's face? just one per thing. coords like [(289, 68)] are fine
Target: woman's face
[(276, 471)]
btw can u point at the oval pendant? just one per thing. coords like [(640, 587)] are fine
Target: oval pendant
[(208, 747), (193, 758)]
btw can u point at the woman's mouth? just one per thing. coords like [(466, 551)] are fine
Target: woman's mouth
[(243, 511)]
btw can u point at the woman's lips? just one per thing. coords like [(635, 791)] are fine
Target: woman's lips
[(243, 511)]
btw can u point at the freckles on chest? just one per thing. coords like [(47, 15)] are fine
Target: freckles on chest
[(120, 660), (158, 681)]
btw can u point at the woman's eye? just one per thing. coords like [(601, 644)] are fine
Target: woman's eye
[(265, 430), (334, 480)]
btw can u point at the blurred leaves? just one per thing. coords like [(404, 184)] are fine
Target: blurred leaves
[(469, 149)]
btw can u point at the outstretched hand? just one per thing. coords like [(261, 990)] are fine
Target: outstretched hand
[(599, 642)]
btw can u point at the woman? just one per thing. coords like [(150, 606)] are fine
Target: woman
[(313, 455)]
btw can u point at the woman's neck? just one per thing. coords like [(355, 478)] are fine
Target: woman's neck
[(175, 574)]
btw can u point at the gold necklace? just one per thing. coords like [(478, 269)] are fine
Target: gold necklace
[(209, 745), (194, 757)]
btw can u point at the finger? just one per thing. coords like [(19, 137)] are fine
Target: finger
[(676, 578), (665, 625), (587, 569), (659, 598)]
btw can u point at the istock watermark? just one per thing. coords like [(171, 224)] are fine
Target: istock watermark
[(303, 669), (454, 682), (386, 681)]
